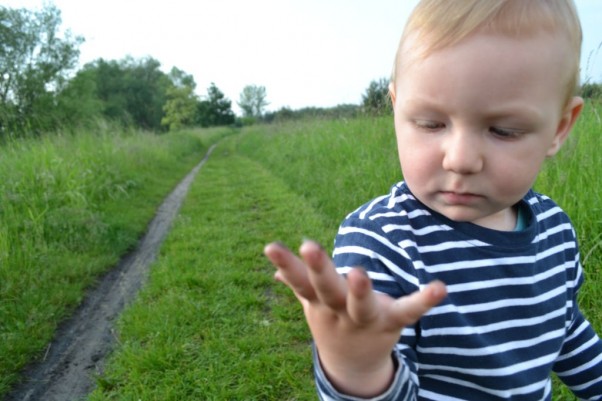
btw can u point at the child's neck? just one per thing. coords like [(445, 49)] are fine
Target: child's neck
[(505, 220)]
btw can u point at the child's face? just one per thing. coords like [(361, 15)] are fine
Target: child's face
[(476, 120)]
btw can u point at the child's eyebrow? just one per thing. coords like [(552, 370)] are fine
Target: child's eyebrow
[(520, 110), (524, 112)]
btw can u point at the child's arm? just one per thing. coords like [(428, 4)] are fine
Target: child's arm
[(579, 364), (354, 328)]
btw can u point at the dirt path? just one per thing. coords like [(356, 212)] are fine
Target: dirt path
[(76, 355)]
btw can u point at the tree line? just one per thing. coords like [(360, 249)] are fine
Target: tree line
[(40, 91)]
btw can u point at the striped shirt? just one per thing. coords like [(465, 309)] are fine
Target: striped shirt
[(510, 317)]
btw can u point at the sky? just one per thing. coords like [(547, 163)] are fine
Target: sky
[(305, 52)]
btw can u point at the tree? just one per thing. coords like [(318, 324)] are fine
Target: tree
[(34, 63), (180, 78), (108, 78), (215, 110), (132, 92), (376, 99), (181, 106), (253, 101), (146, 88), (77, 104)]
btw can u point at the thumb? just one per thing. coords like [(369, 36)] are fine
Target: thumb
[(408, 310)]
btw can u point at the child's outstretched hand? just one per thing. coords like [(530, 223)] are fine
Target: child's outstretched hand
[(354, 328)]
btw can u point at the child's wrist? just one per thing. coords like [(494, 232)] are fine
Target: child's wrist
[(364, 382)]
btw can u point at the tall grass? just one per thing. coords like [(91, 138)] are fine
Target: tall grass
[(337, 165), (573, 180), (70, 205)]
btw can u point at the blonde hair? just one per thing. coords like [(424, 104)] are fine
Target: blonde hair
[(437, 24)]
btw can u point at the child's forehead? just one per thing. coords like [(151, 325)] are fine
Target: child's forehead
[(484, 49), (550, 47), (417, 46), (504, 67)]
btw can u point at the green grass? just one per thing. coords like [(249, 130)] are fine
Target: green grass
[(336, 165), (211, 323), (70, 206), (573, 180)]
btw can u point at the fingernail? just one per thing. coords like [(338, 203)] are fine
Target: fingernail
[(311, 241)]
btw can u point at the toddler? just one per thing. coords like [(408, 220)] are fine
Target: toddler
[(482, 92)]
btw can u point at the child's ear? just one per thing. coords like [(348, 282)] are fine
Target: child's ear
[(566, 123), (392, 94)]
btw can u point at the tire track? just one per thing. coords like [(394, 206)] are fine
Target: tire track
[(81, 343)]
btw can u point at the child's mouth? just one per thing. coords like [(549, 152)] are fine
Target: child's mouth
[(459, 198)]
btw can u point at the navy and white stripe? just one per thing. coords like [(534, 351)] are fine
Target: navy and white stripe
[(510, 318)]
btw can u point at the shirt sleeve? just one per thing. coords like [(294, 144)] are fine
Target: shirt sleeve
[(362, 243), (579, 364), (402, 388)]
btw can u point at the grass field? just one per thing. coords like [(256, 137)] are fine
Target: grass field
[(212, 324), (70, 206)]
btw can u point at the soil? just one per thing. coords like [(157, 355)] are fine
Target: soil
[(76, 355)]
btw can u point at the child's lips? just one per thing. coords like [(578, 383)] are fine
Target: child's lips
[(459, 198)]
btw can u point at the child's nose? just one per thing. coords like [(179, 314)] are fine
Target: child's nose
[(462, 153)]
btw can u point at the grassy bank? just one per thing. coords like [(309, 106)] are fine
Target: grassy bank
[(70, 206)]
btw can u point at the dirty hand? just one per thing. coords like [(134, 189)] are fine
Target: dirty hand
[(354, 328)]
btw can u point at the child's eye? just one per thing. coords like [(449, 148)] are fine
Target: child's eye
[(505, 133), (428, 125)]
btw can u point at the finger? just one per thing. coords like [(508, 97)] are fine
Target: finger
[(291, 270), (362, 305), (330, 286), (408, 310)]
